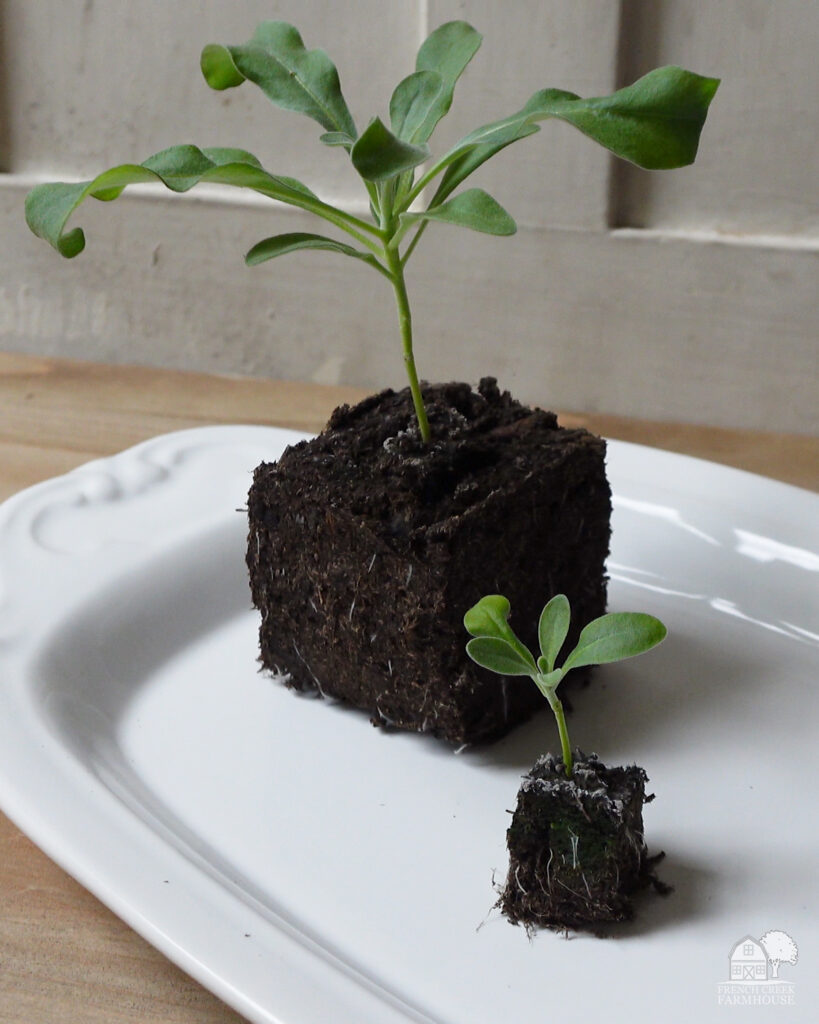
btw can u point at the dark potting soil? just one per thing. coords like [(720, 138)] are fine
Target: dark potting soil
[(576, 848), (367, 547)]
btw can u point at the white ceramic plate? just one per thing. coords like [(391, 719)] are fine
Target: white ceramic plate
[(309, 868)]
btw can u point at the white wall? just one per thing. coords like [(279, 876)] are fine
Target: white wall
[(688, 295)]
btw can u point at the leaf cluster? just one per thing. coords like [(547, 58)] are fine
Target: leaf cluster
[(655, 123), (609, 638)]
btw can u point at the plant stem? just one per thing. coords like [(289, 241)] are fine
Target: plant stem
[(405, 322), (557, 707), (414, 242), (348, 222)]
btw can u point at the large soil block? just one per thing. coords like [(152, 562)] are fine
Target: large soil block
[(366, 548)]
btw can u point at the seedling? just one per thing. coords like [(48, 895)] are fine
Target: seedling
[(611, 637), (654, 123)]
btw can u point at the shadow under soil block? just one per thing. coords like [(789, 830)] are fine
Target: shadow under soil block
[(576, 848), (367, 547)]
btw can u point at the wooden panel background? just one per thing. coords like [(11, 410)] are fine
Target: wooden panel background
[(689, 296)]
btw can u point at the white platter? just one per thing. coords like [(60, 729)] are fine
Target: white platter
[(308, 868)]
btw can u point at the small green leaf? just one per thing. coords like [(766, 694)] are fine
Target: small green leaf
[(378, 154), (553, 627), (337, 139), (498, 656), (446, 51), (292, 77), (473, 209), (614, 637), (489, 618), (547, 681), (279, 245), (411, 103)]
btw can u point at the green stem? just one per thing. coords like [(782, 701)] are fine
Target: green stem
[(354, 226), (425, 179), (557, 707), (347, 222), (415, 239), (405, 322), (372, 192)]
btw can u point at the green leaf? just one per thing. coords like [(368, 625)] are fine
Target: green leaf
[(488, 618), (411, 103), (614, 637), (292, 77), (498, 656), (179, 168), (378, 154), (552, 628), (446, 51), (473, 209), (655, 122), (279, 245)]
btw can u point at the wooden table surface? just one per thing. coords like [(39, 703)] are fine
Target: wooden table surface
[(65, 958)]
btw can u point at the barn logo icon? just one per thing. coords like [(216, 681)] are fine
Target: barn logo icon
[(748, 961), (753, 971)]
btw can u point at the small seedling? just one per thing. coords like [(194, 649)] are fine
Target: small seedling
[(654, 123), (611, 637)]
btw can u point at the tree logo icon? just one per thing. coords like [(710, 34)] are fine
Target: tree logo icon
[(780, 949)]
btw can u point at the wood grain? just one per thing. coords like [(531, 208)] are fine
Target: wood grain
[(55, 414), (65, 958)]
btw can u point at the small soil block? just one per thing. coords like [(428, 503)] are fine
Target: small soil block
[(576, 849), (366, 548)]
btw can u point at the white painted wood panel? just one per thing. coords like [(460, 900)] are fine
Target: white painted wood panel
[(758, 167)]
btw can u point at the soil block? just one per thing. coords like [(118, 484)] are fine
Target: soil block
[(576, 849), (366, 547)]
